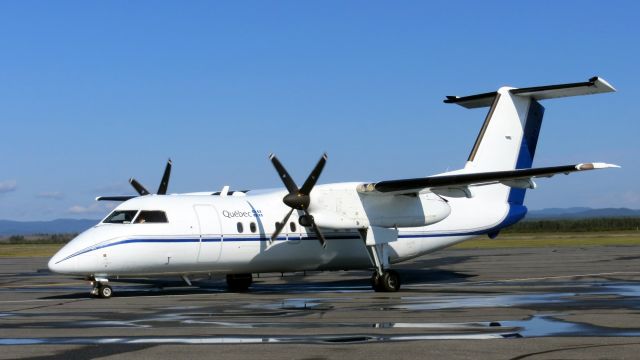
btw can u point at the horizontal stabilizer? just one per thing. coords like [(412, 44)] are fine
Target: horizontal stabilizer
[(595, 85), (115, 198), (406, 186)]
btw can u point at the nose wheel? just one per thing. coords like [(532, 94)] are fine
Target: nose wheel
[(101, 289)]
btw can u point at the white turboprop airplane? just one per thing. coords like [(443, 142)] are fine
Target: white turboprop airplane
[(341, 226)]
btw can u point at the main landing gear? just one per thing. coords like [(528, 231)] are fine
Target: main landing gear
[(101, 288), (239, 282), (388, 282), (376, 242)]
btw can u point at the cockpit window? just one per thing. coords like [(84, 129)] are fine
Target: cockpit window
[(121, 217), (151, 216)]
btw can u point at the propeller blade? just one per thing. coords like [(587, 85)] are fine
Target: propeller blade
[(313, 177), (299, 198), (139, 188), (164, 183), (284, 175), (281, 225), (316, 229), (321, 238)]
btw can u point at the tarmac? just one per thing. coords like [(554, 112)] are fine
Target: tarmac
[(542, 303)]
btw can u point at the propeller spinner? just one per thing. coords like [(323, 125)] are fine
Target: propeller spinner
[(298, 198)]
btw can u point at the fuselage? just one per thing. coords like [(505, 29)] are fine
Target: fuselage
[(186, 234)]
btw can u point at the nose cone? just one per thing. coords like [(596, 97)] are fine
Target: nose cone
[(52, 264), (58, 263)]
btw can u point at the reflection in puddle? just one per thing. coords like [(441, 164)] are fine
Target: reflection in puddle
[(292, 304), (349, 339), (478, 326), (479, 301), (546, 325), (628, 290)]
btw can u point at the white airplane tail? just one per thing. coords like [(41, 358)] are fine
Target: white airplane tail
[(509, 134)]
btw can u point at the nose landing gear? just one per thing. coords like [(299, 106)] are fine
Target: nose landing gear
[(101, 288)]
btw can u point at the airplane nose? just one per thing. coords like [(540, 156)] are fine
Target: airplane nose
[(53, 264), (58, 264)]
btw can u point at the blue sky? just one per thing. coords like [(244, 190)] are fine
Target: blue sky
[(92, 93)]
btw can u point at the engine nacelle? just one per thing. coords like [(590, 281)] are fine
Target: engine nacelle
[(405, 211), (345, 208)]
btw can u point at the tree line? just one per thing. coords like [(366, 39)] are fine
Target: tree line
[(38, 239), (576, 225)]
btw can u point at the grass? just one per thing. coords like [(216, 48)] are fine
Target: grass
[(531, 240), (18, 250)]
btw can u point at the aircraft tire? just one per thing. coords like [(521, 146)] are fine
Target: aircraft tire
[(105, 291), (390, 281), (239, 282), (376, 282)]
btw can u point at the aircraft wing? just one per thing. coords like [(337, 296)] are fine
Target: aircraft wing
[(520, 178)]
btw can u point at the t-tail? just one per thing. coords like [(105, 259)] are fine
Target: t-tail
[(509, 134)]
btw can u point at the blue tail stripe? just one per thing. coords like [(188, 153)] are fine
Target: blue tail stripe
[(527, 147)]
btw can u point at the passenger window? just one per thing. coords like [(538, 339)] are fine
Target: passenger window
[(253, 227), (292, 226), (151, 216), (121, 217), (240, 227)]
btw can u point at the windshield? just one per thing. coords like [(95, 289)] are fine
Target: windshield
[(121, 217), (151, 216)]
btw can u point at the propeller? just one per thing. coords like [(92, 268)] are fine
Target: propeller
[(298, 198), (140, 189), (164, 183)]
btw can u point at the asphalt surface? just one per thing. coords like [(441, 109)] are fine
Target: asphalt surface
[(565, 303)]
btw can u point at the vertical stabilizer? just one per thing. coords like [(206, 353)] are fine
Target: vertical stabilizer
[(509, 134)]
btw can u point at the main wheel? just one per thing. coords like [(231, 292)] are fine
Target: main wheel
[(390, 281), (105, 291), (376, 282), (239, 282)]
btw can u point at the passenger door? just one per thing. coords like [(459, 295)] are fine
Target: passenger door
[(210, 234)]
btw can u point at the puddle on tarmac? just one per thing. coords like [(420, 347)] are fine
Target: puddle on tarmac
[(477, 301), (622, 289), (295, 304), (477, 326), (535, 326), (548, 325), (348, 339)]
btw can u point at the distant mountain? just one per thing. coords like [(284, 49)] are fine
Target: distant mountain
[(580, 213), (59, 226)]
